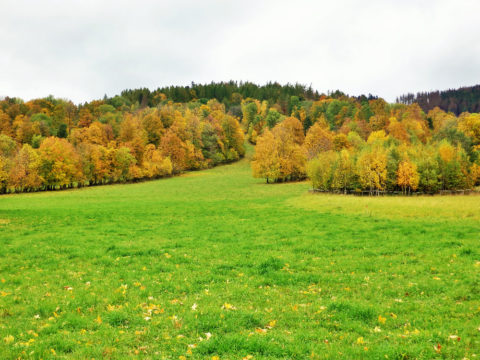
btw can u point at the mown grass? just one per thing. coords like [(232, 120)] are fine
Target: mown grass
[(218, 264)]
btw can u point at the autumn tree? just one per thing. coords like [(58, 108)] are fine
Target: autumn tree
[(122, 164), (96, 163), (266, 162), (59, 163), (343, 172), (407, 176), (133, 135), (372, 169), (318, 139), (234, 138), (428, 171), (470, 125), (321, 170), (449, 166), (25, 174), (5, 124), (289, 136), (153, 125), (154, 163), (173, 147)]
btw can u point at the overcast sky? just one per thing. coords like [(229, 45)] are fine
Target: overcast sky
[(84, 49)]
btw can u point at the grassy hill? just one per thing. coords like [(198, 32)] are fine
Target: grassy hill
[(218, 265)]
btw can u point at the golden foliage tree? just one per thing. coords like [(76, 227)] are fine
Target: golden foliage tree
[(25, 173), (266, 162), (59, 162), (407, 176), (372, 169), (318, 139)]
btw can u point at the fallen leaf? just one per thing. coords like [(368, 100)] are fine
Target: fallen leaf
[(8, 339)]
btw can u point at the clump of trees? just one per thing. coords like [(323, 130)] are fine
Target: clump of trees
[(367, 145), (53, 144)]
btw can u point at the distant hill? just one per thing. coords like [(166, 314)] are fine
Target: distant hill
[(453, 100)]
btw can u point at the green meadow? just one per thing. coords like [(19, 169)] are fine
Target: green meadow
[(218, 265)]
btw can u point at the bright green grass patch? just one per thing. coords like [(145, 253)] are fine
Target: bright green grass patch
[(216, 263)]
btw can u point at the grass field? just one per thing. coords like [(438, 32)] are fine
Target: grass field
[(218, 265)]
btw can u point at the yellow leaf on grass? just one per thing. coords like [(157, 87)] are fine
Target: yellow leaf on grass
[(360, 341), (8, 339), (381, 319), (228, 306)]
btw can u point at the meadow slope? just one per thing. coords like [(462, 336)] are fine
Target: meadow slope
[(218, 265)]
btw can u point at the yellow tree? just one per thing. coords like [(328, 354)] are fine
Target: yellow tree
[(440, 119), (233, 138), (340, 141), (173, 147), (133, 135), (318, 139), (153, 126), (96, 162), (25, 173), (289, 138), (397, 130), (5, 124), (377, 137), (97, 133), (154, 164), (407, 176), (59, 162), (266, 163), (294, 128), (470, 125), (280, 155), (372, 169)]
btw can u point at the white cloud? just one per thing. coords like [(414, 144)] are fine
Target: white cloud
[(84, 49)]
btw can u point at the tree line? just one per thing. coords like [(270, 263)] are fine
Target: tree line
[(341, 143), (228, 93), (456, 101), (51, 143), (347, 144)]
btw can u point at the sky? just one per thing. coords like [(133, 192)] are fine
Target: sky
[(82, 50)]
